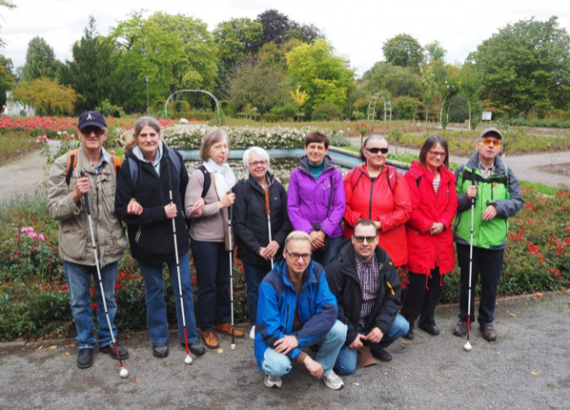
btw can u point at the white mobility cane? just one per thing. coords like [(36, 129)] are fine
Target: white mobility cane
[(268, 211)]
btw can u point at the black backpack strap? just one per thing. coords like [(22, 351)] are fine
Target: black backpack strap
[(418, 181), (358, 179), (71, 162), (331, 197), (134, 171), (388, 168), (207, 180)]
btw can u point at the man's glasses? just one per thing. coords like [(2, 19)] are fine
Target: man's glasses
[(257, 163), (296, 256), (369, 239), (437, 154), (88, 130), (377, 150), (495, 143)]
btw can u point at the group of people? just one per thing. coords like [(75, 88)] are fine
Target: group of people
[(320, 259)]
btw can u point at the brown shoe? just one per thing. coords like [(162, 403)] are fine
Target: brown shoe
[(226, 329), (460, 328), (488, 332), (210, 339)]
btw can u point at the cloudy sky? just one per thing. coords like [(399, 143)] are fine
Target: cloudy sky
[(355, 28)]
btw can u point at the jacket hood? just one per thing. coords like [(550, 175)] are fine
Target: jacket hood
[(328, 164)]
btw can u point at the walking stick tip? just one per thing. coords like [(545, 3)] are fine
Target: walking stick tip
[(124, 373), (188, 360), (467, 346)]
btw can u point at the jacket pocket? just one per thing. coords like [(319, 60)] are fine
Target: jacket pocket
[(73, 243)]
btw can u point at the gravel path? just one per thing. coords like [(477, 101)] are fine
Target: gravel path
[(527, 368)]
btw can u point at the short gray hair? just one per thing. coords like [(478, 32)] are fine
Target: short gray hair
[(298, 236), (260, 152)]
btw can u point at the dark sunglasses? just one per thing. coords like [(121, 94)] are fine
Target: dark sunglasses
[(369, 239), (377, 150), (88, 130)]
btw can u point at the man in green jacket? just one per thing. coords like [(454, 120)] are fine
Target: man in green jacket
[(494, 188)]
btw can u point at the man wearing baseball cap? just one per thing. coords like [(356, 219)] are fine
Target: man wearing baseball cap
[(91, 171), (486, 186)]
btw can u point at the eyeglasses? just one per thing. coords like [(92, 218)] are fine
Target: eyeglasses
[(88, 130), (257, 163), (377, 150), (369, 239), (437, 154), (296, 256), (495, 143)]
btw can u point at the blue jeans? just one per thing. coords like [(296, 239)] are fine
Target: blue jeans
[(79, 281), (254, 274), (213, 272), (156, 307), (346, 360), (325, 257), (277, 364)]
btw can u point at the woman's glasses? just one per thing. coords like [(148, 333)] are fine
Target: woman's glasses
[(257, 163), (437, 154), (377, 150), (495, 143)]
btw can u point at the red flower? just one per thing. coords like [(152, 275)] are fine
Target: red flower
[(64, 287), (194, 280), (93, 305), (17, 236), (117, 286)]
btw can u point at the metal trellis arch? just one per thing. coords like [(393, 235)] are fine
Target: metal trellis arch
[(372, 106), (193, 91)]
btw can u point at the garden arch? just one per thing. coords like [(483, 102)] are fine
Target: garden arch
[(193, 91), (372, 106)]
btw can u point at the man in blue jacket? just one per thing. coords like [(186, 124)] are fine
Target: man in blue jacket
[(295, 309), (367, 286)]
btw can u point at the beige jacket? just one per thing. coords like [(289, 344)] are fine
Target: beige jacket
[(75, 243)]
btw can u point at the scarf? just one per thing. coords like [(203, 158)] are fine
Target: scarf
[(156, 163), (224, 177)]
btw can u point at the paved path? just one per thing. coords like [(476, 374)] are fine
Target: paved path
[(524, 166), (528, 367)]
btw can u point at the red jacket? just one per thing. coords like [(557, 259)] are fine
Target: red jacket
[(389, 203), (427, 251)]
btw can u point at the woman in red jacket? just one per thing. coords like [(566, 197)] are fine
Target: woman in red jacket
[(379, 192), (430, 237)]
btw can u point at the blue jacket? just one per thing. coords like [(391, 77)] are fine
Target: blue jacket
[(317, 308)]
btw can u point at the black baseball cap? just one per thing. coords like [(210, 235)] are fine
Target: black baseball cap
[(491, 132), (91, 118)]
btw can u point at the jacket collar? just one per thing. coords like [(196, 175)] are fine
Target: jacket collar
[(346, 256), (281, 268), (270, 180), (328, 164), (474, 162)]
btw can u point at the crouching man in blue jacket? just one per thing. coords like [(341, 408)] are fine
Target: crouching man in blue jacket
[(295, 309)]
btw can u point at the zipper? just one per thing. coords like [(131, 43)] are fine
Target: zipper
[(310, 308), (287, 320), (371, 192)]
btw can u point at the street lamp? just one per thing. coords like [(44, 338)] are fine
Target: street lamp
[(146, 78)]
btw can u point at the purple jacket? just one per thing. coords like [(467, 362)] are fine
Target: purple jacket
[(308, 200)]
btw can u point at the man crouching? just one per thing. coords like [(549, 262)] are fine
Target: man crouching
[(295, 309)]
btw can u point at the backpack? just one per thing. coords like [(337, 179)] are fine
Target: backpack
[(72, 163), (388, 168)]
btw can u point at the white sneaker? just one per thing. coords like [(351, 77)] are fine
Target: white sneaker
[(272, 381), (332, 381), (252, 333)]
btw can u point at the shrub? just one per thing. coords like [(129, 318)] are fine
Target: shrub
[(286, 110), (405, 107), (327, 112)]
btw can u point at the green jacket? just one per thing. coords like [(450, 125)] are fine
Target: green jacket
[(501, 190)]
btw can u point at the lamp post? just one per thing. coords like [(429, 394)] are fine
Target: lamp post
[(146, 78)]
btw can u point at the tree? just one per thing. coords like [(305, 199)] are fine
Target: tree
[(526, 65), (92, 72), (237, 38), (470, 86), (46, 96), (320, 73), (6, 77), (429, 87), (10, 5), (275, 25), (307, 33), (395, 80), (434, 52), (403, 50), (261, 85), (40, 60), (300, 97)]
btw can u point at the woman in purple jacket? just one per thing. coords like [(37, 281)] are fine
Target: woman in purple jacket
[(316, 200)]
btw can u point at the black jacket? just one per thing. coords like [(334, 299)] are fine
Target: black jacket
[(250, 219), (345, 285), (150, 234)]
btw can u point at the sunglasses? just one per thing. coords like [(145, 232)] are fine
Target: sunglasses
[(495, 143), (377, 150), (369, 239), (88, 130)]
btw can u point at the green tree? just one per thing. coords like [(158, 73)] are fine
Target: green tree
[(434, 52), (526, 65), (236, 39), (261, 85), (46, 96), (10, 5), (395, 80), (470, 86), (429, 87), (6, 77), (403, 50), (40, 60), (320, 73)]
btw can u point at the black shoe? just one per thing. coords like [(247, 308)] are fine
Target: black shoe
[(409, 335), (432, 330), (196, 348), (110, 350), (460, 329), (160, 350), (85, 357), (381, 355)]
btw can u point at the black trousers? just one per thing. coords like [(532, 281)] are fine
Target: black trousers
[(486, 265), (419, 300)]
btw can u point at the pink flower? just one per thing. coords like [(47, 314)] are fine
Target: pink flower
[(33, 235), (41, 237), (112, 152), (27, 229)]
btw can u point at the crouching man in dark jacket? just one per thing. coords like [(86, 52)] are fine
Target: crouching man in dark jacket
[(367, 287)]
